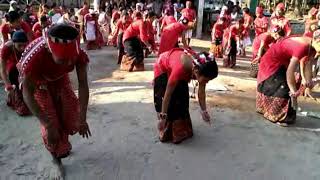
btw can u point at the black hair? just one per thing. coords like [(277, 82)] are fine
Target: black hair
[(246, 10), (19, 37), (223, 19), (138, 15), (124, 13), (13, 16), (184, 21), (121, 9), (71, 11), (151, 14), (54, 4), (281, 32), (63, 31), (6, 17), (208, 69), (241, 20), (21, 13), (230, 3), (109, 12), (167, 12), (43, 18)]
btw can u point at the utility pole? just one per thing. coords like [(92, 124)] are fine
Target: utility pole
[(200, 18)]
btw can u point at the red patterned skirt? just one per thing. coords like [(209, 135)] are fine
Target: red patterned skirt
[(96, 44), (133, 59), (120, 47), (178, 126), (59, 104), (216, 48), (230, 55), (273, 100), (15, 98)]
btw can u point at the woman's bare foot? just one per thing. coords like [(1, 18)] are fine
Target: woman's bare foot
[(57, 170), (282, 124)]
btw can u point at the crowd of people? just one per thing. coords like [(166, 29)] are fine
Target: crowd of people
[(40, 49), (285, 65)]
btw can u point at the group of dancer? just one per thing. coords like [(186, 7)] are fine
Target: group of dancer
[(35, 63), (285, 65)]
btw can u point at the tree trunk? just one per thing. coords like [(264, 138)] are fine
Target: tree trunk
[(297, 8), (304, 5)]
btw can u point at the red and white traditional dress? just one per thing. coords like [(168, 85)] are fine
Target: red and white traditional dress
[(168, 69), (58, 102), (264, 37), (273, 100), (104, 22), (311, 21), (248, 20), (216, 39), (118, 36), (114, 19), (82, 12), (137, 33), (7, 31), (167, 20), (170, 36), (191, 15), (15, 99), (92, 32), (282, 22), (118, 31), (37, 30), (261, 22), (231, 37)]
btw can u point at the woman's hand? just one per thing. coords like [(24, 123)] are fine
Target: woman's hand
[(206, 117), (256, 60), (308, 94), (9, 88), (307, 83), (53, 136), (162, 121), (84, 130)]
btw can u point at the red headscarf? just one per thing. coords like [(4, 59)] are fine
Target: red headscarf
[(63, 41), (316, 35), (259, 10), (313, 11), (276, 29), (281, 6)]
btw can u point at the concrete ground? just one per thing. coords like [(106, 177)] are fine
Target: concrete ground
[(240, 145)]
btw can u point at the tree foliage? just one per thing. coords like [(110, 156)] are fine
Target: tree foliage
[(299, 7)]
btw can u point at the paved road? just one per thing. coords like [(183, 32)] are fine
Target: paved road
[(239, 146)]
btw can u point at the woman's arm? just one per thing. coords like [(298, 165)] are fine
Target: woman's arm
[(306, 71), (5, 37), (213, 37), (83, 90), (184, 40), (261, 49), (202, 97), (4, 75), (83, 99), (28, 90), (202, 102), (167, 97), (229, 38), (290, 75)]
